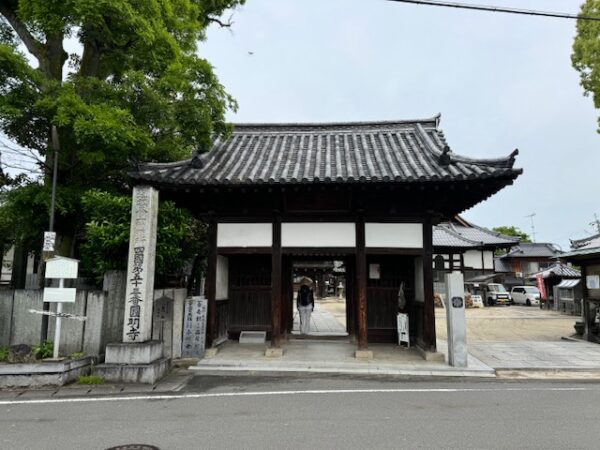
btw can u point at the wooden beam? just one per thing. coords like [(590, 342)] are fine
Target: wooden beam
[(276, 284), (361, 284), (585, 305), (211, 283), (429, 310)]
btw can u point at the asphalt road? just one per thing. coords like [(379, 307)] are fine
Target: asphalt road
[(316, 413)]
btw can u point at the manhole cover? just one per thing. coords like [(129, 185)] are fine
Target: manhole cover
[(134, 447)]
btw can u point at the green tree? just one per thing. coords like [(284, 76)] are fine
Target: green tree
[(179, 238), (120, 79), (586, 51), (512, 231)]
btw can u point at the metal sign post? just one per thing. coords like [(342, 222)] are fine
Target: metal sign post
[(60, 268)]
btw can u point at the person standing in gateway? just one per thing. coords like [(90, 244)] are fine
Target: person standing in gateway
[(305, 302)]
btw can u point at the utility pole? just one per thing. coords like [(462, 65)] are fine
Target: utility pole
[(48, 249), (531, 216)]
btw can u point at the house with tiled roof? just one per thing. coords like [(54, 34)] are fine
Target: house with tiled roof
[(464, 246), (585, 253), (528, 258)]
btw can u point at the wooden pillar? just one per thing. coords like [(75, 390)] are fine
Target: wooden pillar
[(585, 305), (429, 310), (276, 284), (361, 284), (211, 283)]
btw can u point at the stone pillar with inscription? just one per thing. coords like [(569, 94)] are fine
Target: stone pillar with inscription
[(137, 326), (138, 358)]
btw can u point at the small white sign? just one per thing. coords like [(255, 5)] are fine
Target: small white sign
[(403, 332), (374, 271), (62, 267), (49, 241), (592, 281), (55, 295)]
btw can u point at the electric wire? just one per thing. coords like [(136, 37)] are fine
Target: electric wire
[(499, 9)]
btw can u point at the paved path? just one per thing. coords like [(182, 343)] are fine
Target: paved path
[(334, 357), (564, 355), (324, 320)]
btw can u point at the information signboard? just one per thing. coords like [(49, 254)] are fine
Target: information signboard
[(194, 327)]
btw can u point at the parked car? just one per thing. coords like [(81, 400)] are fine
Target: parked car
[(496, 294), (473, 295), (525, 295)]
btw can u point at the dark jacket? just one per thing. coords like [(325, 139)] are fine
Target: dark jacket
[(305, 297)]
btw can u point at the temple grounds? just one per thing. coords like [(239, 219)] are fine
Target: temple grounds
[(512, 323)]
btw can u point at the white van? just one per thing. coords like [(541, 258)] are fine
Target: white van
[(496, 294), (525, 295)]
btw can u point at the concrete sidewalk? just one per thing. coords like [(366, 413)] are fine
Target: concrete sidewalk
[(175, 381), (334, 357), (567, 358)]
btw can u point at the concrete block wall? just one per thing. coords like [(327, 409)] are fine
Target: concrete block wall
[(6, 312), (167, 323), (104, 311), (25, 327)]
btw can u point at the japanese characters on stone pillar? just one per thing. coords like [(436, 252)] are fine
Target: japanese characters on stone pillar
[(137, 326)]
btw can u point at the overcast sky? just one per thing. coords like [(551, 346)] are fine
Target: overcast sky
[(500, 81)]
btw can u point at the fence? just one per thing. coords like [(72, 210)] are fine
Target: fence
[(104, 310)]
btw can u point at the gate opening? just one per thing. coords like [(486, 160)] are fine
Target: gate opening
[(327, 280)]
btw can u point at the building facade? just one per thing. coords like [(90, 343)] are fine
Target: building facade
[(367, 194)]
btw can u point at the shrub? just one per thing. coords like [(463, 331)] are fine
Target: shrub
[(90, 379), (46, 350), (3, 354)]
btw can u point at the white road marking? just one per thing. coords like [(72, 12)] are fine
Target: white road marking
[(276, 393)]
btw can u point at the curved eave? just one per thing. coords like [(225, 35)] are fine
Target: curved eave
[(508, 174)]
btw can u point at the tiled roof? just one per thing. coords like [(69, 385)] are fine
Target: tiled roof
[(443, 237), (394, 151), (533, 250), (558, 270), (502, 265), (585, 243), (480, 235), (584, 247)]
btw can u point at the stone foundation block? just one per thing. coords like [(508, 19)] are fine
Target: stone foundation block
[(273, 352), (363, 354), (46, 373), (211, 352), (134, 373), (133, 353)]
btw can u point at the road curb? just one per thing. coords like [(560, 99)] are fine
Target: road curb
[(549, 373)]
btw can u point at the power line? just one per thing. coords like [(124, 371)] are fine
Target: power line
[(500, 9)]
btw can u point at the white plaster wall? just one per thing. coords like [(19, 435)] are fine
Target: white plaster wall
[(394, 235), (419, 281), (222, 291), (317, 234), (244, 235), (472, 259), (488, 259)]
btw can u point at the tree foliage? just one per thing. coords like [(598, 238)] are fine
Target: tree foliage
[(513, 231), (586, 51), (179, 236), (121, 80)]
